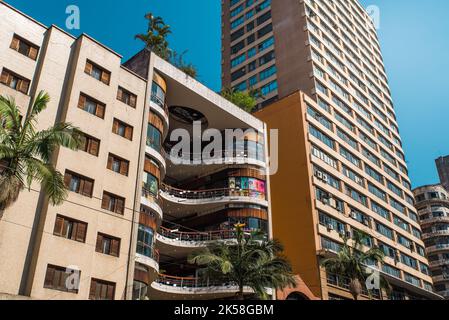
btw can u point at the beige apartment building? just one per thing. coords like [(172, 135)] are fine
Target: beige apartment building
[(133, 214), (320, 69)]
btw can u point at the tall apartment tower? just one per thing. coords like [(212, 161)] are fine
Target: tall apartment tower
[(443, 171), (341, 163), (132, 209)]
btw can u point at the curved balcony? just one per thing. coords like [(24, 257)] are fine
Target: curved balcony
[(439, 263), (181, 244), (436, 233), (161, 108), (159, 156), (224, 157), (149, 200), (434, 220), (148, 256), (212, 196), (190, 288), (438, 247)]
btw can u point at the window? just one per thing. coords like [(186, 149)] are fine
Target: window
[(321, 136), (118, 164), (383, 230), (346, 138), (374, 174), (158, 95), (145, 241), (270, 87), (151, 184), (326, 177), (70, 229), (56, 279), (126, 97), (350, 157), (113, 203), (387, 250), (328, 221), (122, 129), (79, 184), (91, 105), (101, 290), (353, 176), (24, 47), (381, 211), (90, 144), (15, 81), (320, 154), (404, 242), (409, 261), (108, 245), (236, 61), (154, 137), (377, 192), (265, 74), (357, 196), (97, 72)]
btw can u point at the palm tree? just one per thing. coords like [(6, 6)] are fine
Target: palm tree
[(155, 38), (351, 263), (247, 262), (25, 154)]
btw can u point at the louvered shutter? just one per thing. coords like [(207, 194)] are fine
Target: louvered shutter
[(58, 226)]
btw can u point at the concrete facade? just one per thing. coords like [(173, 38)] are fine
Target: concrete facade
[(124, 211)]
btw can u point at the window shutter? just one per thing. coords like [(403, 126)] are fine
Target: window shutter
[(67, 179), (115, 126), (129, 133), (24, 86), (81, 232), (100, 111), (120, 206), (120, 94), (5, 77), (49, 276), (105, 77), (110, 293), (58, 226), (124, 167), (93, 289), (110, 160), (88, 188), (15, 43), (115, 247), (88, 68), (99, 244), (132, 100), (33, 53), (105, 201), (94, 146), (82, 101)]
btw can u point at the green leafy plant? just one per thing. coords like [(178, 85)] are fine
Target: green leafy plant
[(25, 153), (155, 38), (246, 100), (248, 262), (177, 59), (351, 263)]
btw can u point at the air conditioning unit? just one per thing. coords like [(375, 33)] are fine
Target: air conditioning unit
[(354, 215), (333, 203), (325, 200), (319, 175), (330, 227), (325, 178), (366, 222)]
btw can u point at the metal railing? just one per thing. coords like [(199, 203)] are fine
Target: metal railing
[(190, 282), (211, 193), (148, 251), (218, 155), (158, 101), (198, 236), (343, 283), (147, 194)]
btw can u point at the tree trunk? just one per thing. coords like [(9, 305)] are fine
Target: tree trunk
[(355, 287)]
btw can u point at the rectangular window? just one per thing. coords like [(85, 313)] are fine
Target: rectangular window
[(122, 129), (320, 154), (78, 183), (321, 136), (90, 144), (377, 192), (350, 157), (113, 203), (118, 165), (101, 290), (56, 278), (346, 138), (91, 105), (97, 72), (24, 47), (381, 211), (108, 245), (383, 230), (126, 97), (374, 174), (14, 81), (70, 229)]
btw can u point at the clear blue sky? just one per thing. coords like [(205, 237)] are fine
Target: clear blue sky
[(414, 38)]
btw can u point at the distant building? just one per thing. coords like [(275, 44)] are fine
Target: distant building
[(443, 171)]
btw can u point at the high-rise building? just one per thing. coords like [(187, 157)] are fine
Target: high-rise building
[(341, 162), (133, 212), (432, 203), (443, 170)]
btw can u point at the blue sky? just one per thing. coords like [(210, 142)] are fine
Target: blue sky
[(414, 37)]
